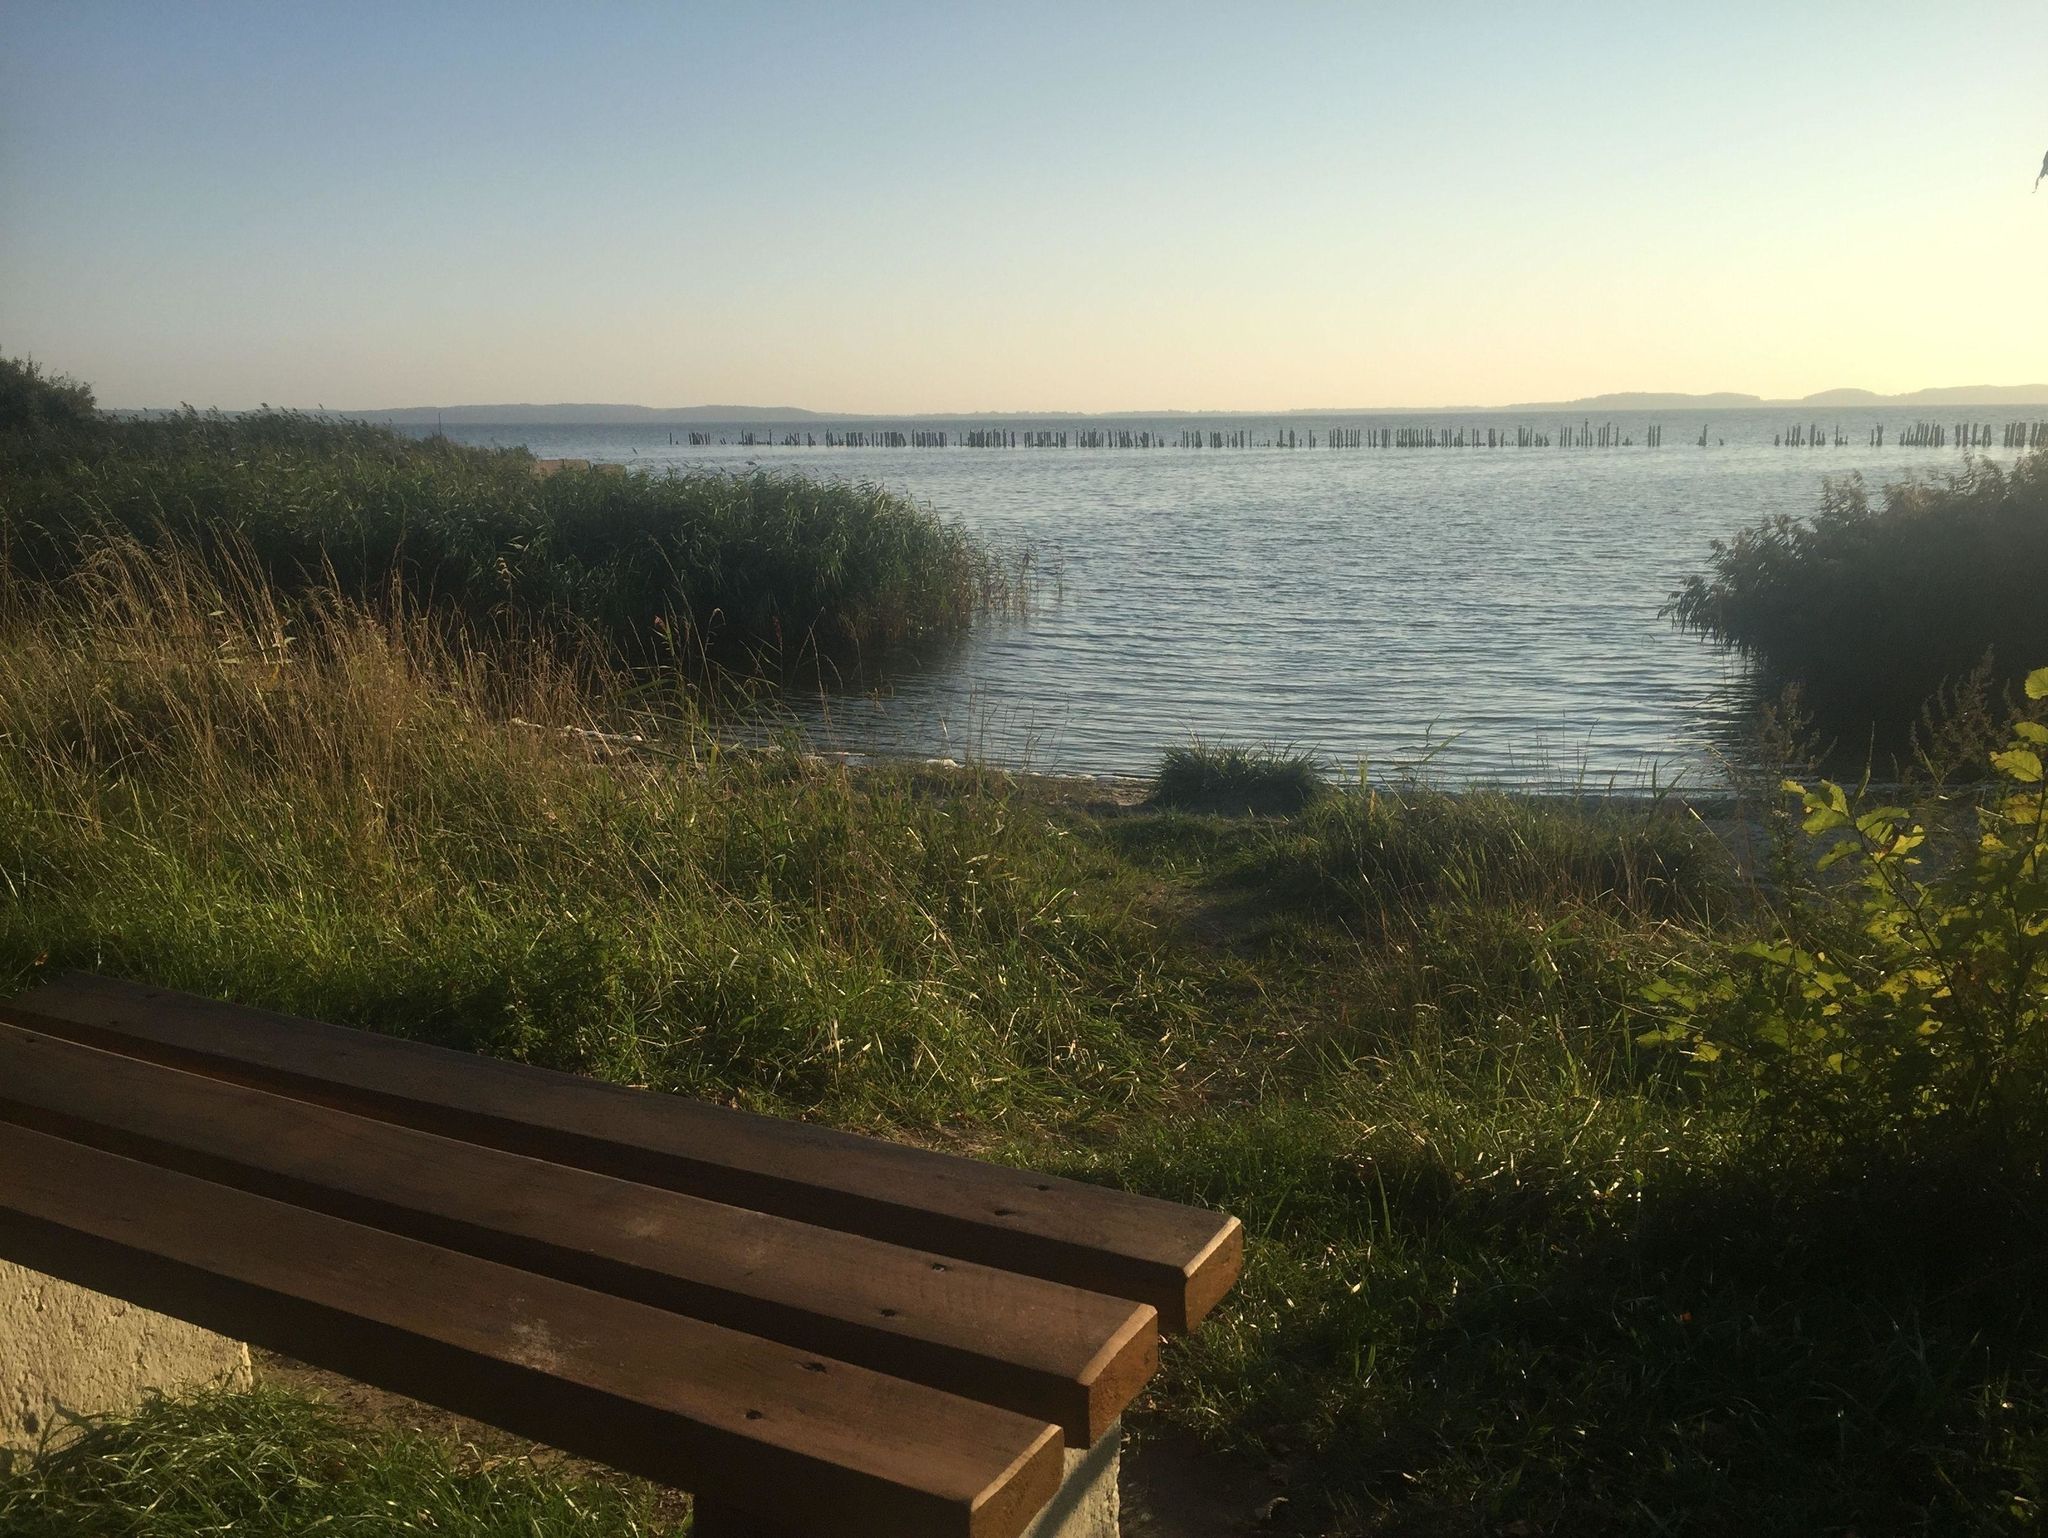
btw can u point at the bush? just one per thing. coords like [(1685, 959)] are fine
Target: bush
[(32, 400), (1874, 608), (1921, 1008)]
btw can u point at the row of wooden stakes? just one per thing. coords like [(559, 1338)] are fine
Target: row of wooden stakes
[(1587, 435)]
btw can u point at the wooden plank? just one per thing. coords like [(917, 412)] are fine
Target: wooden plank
[(1181, 1260), (813, 1444), (1037, 1347)]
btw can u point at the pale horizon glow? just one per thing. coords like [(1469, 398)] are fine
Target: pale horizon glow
[(1062, 208)]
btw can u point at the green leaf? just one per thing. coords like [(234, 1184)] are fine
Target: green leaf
[(2022, 764), (2031, 731), (2037, 684)]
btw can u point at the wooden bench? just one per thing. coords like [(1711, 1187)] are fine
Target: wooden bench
[(811, 1331)]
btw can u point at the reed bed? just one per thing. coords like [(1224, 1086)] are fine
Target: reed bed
[(753, 570), (1875, 606)]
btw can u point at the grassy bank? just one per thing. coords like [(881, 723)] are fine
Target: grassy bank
[(1874, 606), (1508, 1262), (745, 570)]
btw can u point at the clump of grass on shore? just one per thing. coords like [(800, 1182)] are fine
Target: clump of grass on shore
[(1236, 778), (271, 1462), (753, 571), (1873, 608)]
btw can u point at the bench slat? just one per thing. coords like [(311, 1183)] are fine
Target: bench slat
[(1181, 1260), (803, 1441), (1037, 1347)]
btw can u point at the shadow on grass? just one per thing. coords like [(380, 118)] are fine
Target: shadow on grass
[(1734, 1352)]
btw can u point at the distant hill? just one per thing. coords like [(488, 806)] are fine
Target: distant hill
[(576, 414), (1845, 398), (1950, 395), (1975, 395), (1645, 400)]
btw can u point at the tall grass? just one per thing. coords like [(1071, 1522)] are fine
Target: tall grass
[(1874, 607), (344, 810), (754, 570), (1383, 855)]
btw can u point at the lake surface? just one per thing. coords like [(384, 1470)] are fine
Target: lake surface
[(1493, 611)]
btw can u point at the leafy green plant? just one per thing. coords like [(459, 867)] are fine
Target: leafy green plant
[(1921, 997)]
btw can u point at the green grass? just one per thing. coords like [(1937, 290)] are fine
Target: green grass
[(1873, 608), (1506, 1265), (1199, 778), (1379, 854), (270, 1462)]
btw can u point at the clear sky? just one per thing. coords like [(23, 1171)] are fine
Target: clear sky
[(959, 207)]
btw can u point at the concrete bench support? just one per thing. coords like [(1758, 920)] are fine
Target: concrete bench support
[(1087, 1505), (63, 1348)]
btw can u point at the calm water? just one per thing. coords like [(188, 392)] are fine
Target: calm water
[(1494, 608)]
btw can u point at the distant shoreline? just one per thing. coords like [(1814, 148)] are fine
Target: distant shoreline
[(591, 414)]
